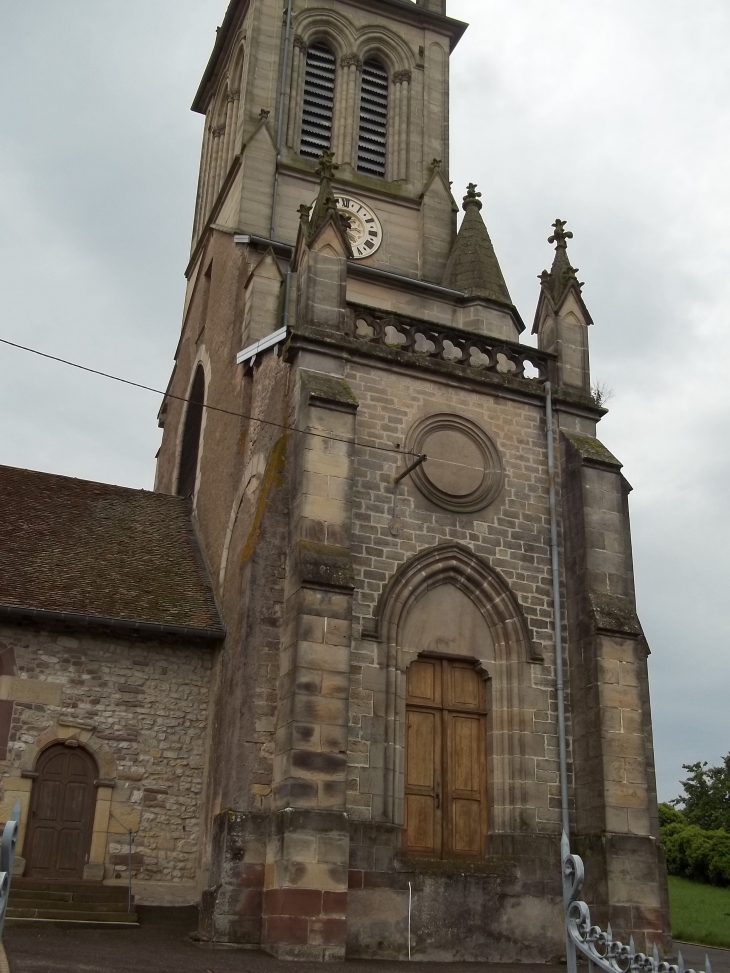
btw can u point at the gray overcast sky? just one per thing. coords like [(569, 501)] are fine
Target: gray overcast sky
[(614, 115)]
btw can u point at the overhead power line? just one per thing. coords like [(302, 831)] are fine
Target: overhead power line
[(211, 408)]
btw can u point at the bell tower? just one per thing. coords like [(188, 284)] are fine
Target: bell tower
[(369, 83), (362, 439)]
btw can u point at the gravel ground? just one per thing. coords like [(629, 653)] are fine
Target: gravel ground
[(161, 945)]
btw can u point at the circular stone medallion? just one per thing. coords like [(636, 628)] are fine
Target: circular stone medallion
[(463, 472)]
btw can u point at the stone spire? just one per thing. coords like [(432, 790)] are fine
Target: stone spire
[(325, 206), (472, 266), (560, 285), (561, 275)]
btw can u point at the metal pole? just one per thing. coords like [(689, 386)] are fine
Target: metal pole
[(287, 293), (559, 679), (129, 869), (280, 119), (557, 613)]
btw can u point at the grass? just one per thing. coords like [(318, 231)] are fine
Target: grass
[(700, 913)]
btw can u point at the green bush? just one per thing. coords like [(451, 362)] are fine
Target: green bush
[(669, 815), (693, 851)]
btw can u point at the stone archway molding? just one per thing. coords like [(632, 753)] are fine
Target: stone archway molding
[(84, 733), (514, 655), (453, 564)]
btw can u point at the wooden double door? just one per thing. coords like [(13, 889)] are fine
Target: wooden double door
[(446, 765), (62, 807)]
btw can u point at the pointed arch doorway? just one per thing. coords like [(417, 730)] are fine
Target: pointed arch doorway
[(62, 805)]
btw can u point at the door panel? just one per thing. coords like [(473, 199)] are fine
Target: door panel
[(73, 810), (445, 785), (464, 754), (421, 824), (424, 682), (422, 751), (42, 847), (464, 686), (467, 836), (49, 799), (423, 782), (69, 845), (61, 814), (465, 787)]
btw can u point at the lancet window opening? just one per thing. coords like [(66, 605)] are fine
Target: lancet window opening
[(318, 101), (190, 446), (372, 136)]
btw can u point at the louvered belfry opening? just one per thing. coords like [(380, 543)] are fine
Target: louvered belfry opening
[(191, 437), (319, 96), (373, 119)]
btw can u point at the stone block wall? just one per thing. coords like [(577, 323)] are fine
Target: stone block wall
[(506, 908), (512, 535), (616, 812), (140, 708)]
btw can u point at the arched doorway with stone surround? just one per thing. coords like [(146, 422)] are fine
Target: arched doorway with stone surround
[(62, 808), (448, 604), (110, 817)]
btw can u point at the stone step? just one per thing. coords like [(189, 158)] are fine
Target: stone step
[(56, 915), (79, 890), (61, 906), (22, 895), (119, 896), (63, 885)]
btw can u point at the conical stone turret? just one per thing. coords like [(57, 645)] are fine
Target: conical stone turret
[(472, 266)]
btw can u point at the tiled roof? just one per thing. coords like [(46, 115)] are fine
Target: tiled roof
[(91, 549)]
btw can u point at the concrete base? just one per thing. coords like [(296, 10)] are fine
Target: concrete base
[(506, 908)]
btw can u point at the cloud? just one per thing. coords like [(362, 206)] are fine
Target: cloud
[(615, 118), (612, 116)]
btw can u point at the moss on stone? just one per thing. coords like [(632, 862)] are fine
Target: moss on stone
[(613, 613), (592, 449), (328, 389), (273, 477), (326, 565)]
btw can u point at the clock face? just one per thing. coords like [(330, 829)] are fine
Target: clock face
[(365, 233)]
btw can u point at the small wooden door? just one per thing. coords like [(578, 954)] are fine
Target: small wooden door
[(61, 814), (446, 766)]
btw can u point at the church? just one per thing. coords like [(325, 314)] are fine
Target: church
[(313, 682)]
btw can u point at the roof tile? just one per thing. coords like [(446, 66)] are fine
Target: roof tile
[(86, 548)]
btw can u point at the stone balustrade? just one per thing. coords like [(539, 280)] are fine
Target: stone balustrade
[(473, 351)]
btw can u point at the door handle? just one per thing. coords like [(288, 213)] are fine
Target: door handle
[(438, 800)]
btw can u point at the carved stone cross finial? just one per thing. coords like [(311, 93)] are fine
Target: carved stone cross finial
[(436, 165), (327, 165), (561, 235), (472, 196)]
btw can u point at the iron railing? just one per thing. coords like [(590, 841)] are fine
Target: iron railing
[(597, 946), (7, 857)]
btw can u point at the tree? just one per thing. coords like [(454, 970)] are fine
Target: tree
[(706, 798)]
